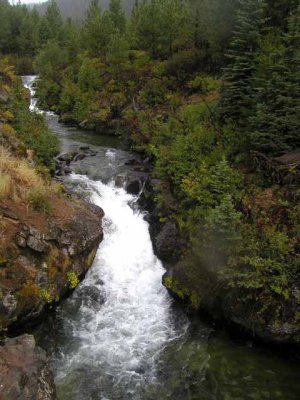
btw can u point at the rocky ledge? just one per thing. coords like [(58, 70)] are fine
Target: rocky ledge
[(207, 292), (42, 258), (24, 371)]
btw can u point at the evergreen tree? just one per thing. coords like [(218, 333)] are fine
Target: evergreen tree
[(117, 16), (159, 24), (236, 96), (97, 30), (275, 123), (51, 23), (4, 26)]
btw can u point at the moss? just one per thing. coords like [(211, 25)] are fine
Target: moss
[(72, 280), (45, 295), (174, 286), (91, 257)]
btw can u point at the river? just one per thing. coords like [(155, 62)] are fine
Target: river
[(120, 336)]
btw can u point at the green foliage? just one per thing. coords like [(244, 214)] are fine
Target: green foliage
[(183, 64), (209, 184), (45, 296), (39, 199), (237, 90), (275, 121), (222, 225), (72, 280), (153, 93), (203, 84)]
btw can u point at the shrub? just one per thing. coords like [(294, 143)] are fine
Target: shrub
[(183, 64), (45, 296), (72, 280), (153, 93), (39, 199)]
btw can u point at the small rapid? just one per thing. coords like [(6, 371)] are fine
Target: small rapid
[(125, 335)]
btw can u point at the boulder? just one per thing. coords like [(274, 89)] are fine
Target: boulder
[(166, 242), (134, 187), (135, 182), (24, 371)]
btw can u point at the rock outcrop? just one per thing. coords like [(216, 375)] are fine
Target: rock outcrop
[(43, 257), (209, 293), (24, 371)]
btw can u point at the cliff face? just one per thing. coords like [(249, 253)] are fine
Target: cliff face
[(43, 257)]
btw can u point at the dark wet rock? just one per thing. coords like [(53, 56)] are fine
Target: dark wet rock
[(135, 182), (24, 371), (67, 156), (84, 148), (79, 157), (134, 187), (167, 242), (67, 170), (120, 181)]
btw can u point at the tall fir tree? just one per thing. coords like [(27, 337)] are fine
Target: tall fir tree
[(51, 23), (236, 95), (275, 123), (97, 30), (117, 16)]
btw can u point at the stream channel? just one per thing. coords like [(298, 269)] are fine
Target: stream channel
[(120, 336)]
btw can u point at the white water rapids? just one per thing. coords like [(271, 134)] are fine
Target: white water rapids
[(125, 335), (119, 319)]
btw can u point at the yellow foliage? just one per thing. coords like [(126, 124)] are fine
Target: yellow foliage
[(17, 178)]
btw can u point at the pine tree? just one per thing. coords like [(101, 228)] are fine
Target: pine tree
[(97, 30), (236, 96), (275, 124), (4, 26), (117, 16), (51, 23)]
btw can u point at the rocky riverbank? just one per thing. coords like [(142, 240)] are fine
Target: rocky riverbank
[(42, 258), (24, 371)]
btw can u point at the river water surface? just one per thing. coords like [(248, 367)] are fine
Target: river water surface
[(120, 336)]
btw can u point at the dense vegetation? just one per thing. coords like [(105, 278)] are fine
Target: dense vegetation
[(209, 90), (27, 147)]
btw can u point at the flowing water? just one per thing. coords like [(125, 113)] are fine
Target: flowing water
[(120, 336)]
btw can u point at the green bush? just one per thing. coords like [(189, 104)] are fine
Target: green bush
[(39, 199)]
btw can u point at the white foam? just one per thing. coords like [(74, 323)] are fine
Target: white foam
[(134, 324)]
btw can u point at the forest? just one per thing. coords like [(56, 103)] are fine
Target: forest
[(208, 90)]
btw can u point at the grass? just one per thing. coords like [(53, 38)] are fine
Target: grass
[(21, 183)]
